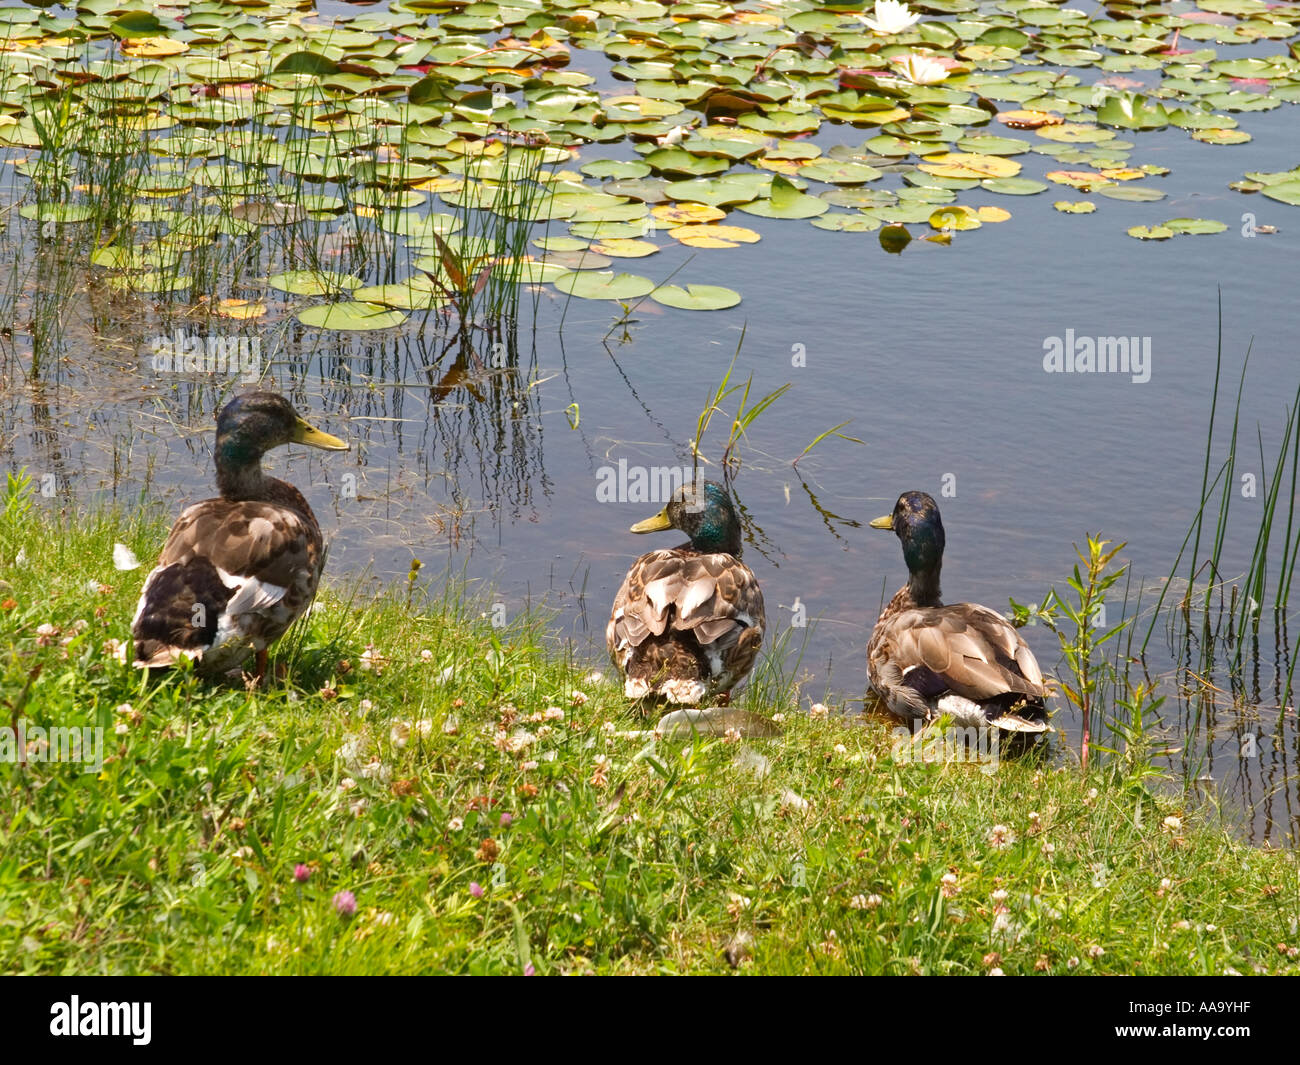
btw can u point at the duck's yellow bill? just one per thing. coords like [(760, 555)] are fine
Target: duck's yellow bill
[(658, 523), (887, 522), (305, 433)]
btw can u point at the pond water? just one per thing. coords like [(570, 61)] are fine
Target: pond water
[(934, 357)]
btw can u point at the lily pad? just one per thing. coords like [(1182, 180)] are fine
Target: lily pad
[(712, 236), (625, 248), (720, 191), (604, 285), (1195, 225), (313, 282), (351, 315), (1284, 192), (786, 201), (968, 165), (1131, 193), (696, 297), (1150, 232), (1014, 186)]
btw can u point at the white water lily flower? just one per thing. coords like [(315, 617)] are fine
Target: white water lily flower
[(891, 17), (921, 69), (124, 558)]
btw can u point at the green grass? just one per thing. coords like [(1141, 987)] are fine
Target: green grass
[(179, 856)]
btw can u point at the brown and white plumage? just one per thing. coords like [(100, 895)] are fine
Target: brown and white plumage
[(237, 570), (926, 659), (687, 622)]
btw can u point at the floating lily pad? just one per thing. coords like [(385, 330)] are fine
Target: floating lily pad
[(610, 168), (1221, 136), (836, 173), (587, 259), (313, 282), (1131, 193), (625, 248), (1195, 225), (1150, 232), (1075, 206), (1014, 186), (847, 223), (711, 236), (57, 213), (415, 293), (696, 297), (786, 201), (604, 285), (955, 218), (1132, 112), (968, 165), (530, 271), (720, 191), (351, 316), (1284, 192)]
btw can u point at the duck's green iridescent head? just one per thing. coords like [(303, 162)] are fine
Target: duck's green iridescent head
[(703, 511), (252, 424), (915, 521)]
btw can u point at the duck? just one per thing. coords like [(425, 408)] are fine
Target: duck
[(238, 570), (927, 659), (688, 621)]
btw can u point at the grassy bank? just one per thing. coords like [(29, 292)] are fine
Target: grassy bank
[(470, 788)]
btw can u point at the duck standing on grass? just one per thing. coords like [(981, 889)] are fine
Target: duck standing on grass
[(926, 659), (236, 571), (688, 621)]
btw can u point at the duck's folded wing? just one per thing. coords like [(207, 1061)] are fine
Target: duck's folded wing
[(269, 543), (966, 649), (223, 560), (713, 596)]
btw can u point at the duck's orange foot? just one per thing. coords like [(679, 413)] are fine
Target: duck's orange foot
[(254, 679)]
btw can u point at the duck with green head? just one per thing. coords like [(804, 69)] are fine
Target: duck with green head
[(926, 659), (688, 621), (237, 570)]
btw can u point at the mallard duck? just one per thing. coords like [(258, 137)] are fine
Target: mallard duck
[(926, 659), (688, 621), (236, 571)]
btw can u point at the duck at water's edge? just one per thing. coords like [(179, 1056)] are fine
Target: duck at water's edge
[(238, 570), (688, 621), (926, 660)]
